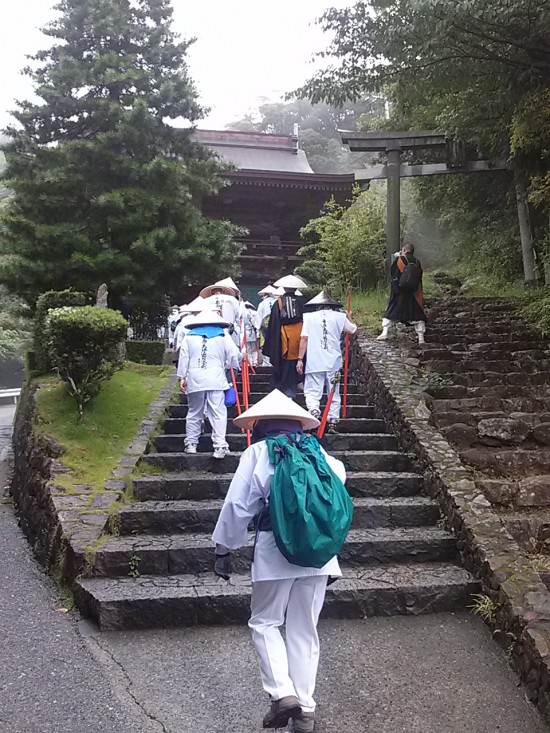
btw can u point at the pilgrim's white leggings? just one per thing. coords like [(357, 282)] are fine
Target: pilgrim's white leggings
[(291, 668), (314, 386), (212, 405)]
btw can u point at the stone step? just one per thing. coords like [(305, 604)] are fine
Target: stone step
[(455, 337), (363, 411), (193, 553), (495, 389), (482, 332), (176, 425), (492, 404), (509, 462), (467, 347), (439, 354), (491, 367), (488, 379), (174, 517), (339, 441), (183, 600), (353, 461), (204, 486)]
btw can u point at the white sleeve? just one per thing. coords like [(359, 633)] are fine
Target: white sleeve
[(243, 501), (305, 327), (336, 465), (233, 356), (183, 361), (349, 327)]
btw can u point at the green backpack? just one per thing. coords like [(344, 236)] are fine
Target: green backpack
[(310, 509)]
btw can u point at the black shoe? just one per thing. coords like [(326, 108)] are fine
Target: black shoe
[(281, 711), (304, 723)]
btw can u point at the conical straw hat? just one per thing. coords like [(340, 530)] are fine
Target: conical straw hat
[(291, 282), (227, 285), (195, 306), (323, 299), (207, 317), (276, 406), (268, 290)]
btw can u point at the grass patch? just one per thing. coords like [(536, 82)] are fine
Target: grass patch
[(94, 446)]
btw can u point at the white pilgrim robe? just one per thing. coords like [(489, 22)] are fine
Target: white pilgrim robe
[(230, 309), (203, 362), (182, 331), (264, 310), (324, 329), (246, 497)]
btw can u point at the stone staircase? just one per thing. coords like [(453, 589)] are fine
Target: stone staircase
[(489, 381), (157, 571)]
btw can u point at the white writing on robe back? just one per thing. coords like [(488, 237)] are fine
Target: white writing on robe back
[(247, 496), (324, 329), (203, 361)]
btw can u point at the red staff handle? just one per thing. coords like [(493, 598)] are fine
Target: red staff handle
[(245, 381), (346, 365), (335, 384)]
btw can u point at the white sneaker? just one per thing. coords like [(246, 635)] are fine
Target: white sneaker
[(383, 337), (190, 448), (421, 339), (221, 452)]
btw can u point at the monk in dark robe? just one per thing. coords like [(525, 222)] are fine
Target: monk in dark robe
[(282, 340), (407, 298)]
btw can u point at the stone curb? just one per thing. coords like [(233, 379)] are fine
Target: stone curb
[(393, 379), (62, 527)]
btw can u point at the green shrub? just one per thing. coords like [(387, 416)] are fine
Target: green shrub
[(145, 352), (346, 245), (82, 343), (45, 303)]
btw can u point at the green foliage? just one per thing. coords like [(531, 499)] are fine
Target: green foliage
[(145, 352), (45, 303), (485, 607), (478, 215), (481, 74), (348, 242), (93, 447), (82, 346), (536, 310), (105, 187)]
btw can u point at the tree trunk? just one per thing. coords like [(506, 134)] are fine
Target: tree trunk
[(526, 234)]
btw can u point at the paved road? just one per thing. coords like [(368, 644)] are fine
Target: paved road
[(433, 674), (49, 681)]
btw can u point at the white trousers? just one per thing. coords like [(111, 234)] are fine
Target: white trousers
[(289, 669), (314, 385), (419, 326), (211, 404)]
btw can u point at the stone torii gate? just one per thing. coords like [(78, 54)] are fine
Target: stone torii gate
[(394, 143)]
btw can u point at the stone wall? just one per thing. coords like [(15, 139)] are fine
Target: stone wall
[(393, 381), (64, 527)]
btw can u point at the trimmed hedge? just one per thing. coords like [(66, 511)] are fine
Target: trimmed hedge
[(83, 341), (145, 352), (45, 303)]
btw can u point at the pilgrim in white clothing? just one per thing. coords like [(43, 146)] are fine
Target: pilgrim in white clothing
[(269, 296), (251, 332), (282, 593), (186, 313), (206, 353), (223, 297), (321, 342)]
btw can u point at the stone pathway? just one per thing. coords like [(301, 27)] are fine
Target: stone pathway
[(49, 681)]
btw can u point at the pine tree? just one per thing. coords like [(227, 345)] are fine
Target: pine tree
[(105, 188)]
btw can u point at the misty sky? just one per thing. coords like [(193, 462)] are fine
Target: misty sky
[(246, 49)]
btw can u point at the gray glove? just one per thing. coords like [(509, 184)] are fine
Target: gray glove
[(222, 566)]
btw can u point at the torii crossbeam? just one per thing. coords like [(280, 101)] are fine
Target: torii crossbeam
[(393, 144)]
